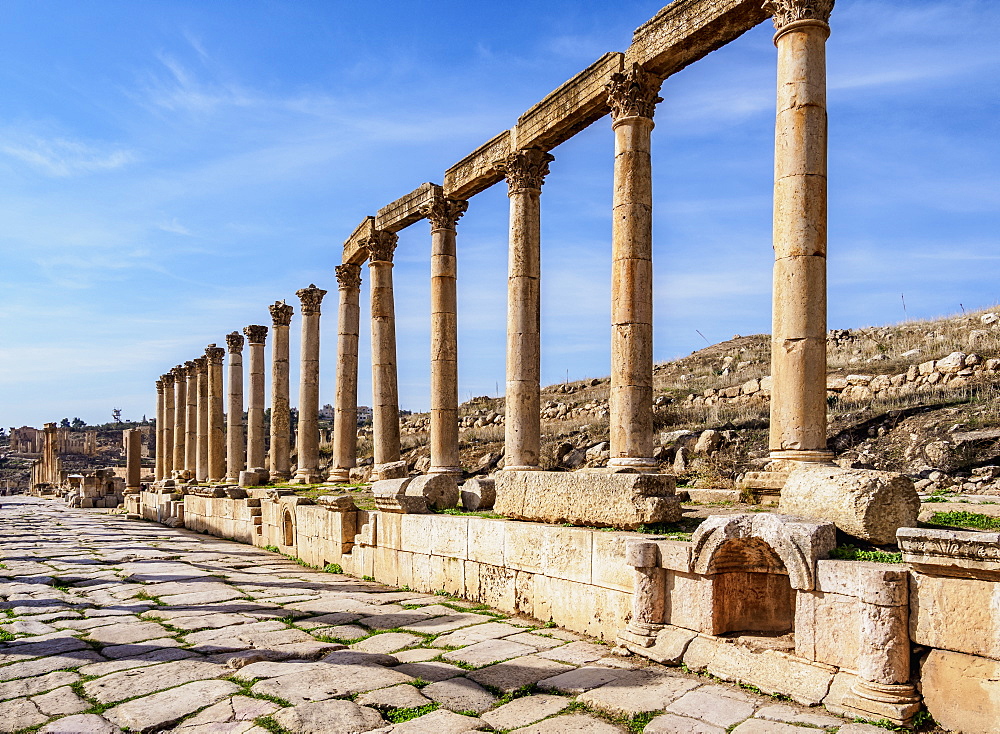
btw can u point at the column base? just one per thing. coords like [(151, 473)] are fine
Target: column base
[(521, 467), (455, 470), (806, 456), (897, 703), (338, 475), (634, 464), (280, 476), (307, 476)]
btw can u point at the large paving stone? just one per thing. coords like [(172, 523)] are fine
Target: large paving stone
[(141, 681), (81, 724), (478, 633), (124, 634), (488, 652), (323, 717), (440, 625), (674, 724), (432, 671), (395, 697), (345, 632), (330, 682), (461, 694), (386, 643), (712, 707), (28, 650), (577, 723), (209, 621), (792, 715), (580, 680), (60, 702), (20, 713), (215, 718), (392, 621), (34, 686), (759, 726), (135, 649), (517, 673), (40, 666), (539, 642), (441, 721), (162, 655), (576, 653), (524, 711), (638, 692), (159, 710)]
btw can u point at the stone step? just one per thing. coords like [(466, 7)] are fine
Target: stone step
[(710, 495), (766, 480)]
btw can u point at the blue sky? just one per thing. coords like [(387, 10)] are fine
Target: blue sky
[(168, 169)]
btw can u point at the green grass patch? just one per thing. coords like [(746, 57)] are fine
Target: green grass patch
[(272, 548), (143, 596), (484, 513), (333, 568), (6, 636), (965, 519), (852, 553), (398, 716), (60, 584), (266, 722), (367, 578)]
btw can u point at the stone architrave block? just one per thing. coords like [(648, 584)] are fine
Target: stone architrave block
[(587, 498), (479, 493), (354, 251), (868, 504), (951, 552), (390, 496), (478, 170), (576, 104), (405, 210), (440, 491), (684, 32)]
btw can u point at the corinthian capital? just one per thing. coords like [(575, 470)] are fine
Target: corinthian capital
[(191, 369), (789, 11), (311, 298), (634, 93), (214, 354), (159, 386), (255, 334), (444, 213), (180, 373), (168, 380), (526, 169), (281, 313), (348, 276), (200, 366), (380, 246), (234, 342)]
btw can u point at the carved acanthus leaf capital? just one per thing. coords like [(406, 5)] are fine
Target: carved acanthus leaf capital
[(281, 313), (256, 334), (190, 367), (234, 342), (214, 354), (526, 169), (200, 366), (444, 213), (348, 276), (789, 11), (634, 93), (168, 380), (381, 246), (159, 386), (180, 372), (311, 299)]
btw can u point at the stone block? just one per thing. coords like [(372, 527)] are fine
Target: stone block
[(587, 498), (873, 583), (690, 601), (486, 541), (478, 493), (478, 170), (449, 536), (390, 496), (566, 553), (405, 210), (773, 672), (871, 505), (951, 552), (439, 491), (962, 692), (936, 605), (609, 568)]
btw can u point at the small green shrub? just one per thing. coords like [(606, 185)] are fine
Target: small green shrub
[(965, 519), (333, 568), (851, 553)]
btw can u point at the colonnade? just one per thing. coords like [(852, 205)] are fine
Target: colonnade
[(630, 95)]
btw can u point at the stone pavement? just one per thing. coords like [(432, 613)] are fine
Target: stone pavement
[(120, 625)]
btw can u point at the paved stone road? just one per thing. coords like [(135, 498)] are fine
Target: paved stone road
[(113, 624)]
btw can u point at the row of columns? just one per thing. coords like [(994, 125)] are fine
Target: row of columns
[(798, 408)]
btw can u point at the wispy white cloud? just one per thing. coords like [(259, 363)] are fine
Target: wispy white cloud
[(61, 157)]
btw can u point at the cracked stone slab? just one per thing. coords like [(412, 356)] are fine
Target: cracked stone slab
[(517, 673), (576, 653), (141, 681), (237, 708), (577, 723), (81, 724), (330, 682), (674, 724), (581, 680), (432, 670), (60, 702), (712, 707), (40, 666), (526, 710), (163, 655), (387, 643), (36, 685), (395, 697), (439, 625), (20, 713), (322, 717), (461, 694), (125, 634), (166, 707), (488, 652), (638, 692), (441, 721), (477, 633)]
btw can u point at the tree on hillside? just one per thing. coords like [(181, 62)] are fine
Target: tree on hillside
[(77, 423), (64, 423)]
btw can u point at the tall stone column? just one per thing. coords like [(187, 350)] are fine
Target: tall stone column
[(201, 366), (236, 448), (180, 417), (281, 317), (255, 400), (525, 171), (444, 215), (216, 416), (798, 341), (345, 423), (158, 471), (132, 438), (168, 424), (191, 421), (385, 389), (632, 97), (307, 443)]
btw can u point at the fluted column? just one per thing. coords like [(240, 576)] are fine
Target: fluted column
[(798, 341), (525, 171), (132, 439), (281, 317), (158, 471), (168, 424), (443, 215), (345, 424), (236, 449), (201, 367), (255, 399), (216, 415), (632, 97), (191, 420), (307, 442), (385, 390), (180, 417)]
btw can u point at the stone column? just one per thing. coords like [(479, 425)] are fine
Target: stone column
[(385, 391), (649, 595), (345, 424), (216, 416), (191, 421), (168, 424), (201, 366), (50, 462), (255, 400), (281, 317), (632, 97), (132, 438), (525, 171), (180, 417), (158, 471), (444, 215), (307, 443), (798, 341), (236, 448)]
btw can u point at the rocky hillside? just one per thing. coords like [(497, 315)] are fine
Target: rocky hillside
[(921, 397)]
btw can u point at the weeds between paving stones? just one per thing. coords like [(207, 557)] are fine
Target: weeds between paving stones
[(398, 716), (266, 722)]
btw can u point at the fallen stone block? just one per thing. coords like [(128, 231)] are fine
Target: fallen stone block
[(479, 493)]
